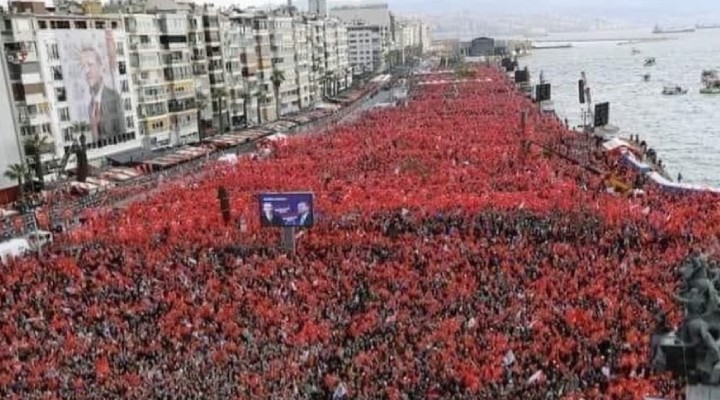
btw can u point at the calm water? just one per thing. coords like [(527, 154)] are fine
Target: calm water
[(685, 130)]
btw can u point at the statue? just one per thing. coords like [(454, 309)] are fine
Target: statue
[(694, 349)]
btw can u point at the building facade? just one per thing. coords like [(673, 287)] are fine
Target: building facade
[(317, 7), (70, 76), (10, 152), (156, 73), (365, 49)]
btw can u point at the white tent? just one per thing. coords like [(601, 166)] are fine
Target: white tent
[(276, 137), (616, 143), (229, 158), (13, 248)]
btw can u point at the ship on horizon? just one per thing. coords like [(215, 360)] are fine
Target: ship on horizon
[(707, 26), (657, 30)]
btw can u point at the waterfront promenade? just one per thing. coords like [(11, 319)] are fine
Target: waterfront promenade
[(449, 259)]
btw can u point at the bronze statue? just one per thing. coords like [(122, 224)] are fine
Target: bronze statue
[(694, 349)]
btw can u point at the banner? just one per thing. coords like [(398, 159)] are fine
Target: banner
[(93, 86), (286, 209)]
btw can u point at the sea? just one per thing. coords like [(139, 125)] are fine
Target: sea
[(684, 130)]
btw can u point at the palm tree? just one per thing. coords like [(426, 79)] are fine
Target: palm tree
[(17, 172), (34, 147), (277, 78), (329, 83), (83, 167), (221, 94), (261, 98), (201, 101), (247, 98)]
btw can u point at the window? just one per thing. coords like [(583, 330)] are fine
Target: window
[(144, 75), (124, 86), (121, 68), (128, 104), (114, 24), (80, 25), (42, 24), (64, 114), (57, 73), (53, 51), (129, 123), (61, 95), (120, 49), (99, 24)]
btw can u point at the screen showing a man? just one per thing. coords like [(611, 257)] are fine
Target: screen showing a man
[(304, 214), (105, 109), (269, 217)]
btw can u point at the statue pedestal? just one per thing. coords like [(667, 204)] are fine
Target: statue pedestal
[(702, 392)]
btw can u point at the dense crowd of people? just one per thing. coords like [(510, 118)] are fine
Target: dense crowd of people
[(449, 260)]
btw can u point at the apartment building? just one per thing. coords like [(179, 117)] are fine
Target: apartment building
[(157, 73), (242, 23), (283, 76), (365, 48), (69, 75), (303, 61), (317, 7), (199, 62), (10, 152), (369, 35), (267, 109)]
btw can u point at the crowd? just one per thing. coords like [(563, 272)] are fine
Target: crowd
[(449, 260)]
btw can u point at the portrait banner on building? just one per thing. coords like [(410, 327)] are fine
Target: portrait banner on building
[(92, 84)]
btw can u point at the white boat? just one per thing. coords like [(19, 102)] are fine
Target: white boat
[(635, 51), (650, 61), (673, 90), (711, 82)]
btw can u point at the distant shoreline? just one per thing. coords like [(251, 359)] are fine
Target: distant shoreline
[(621, 40)]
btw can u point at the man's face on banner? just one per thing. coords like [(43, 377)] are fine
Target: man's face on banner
[(93, 69)]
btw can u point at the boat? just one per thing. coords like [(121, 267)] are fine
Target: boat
[(658, 30), (650, 61), (710, 81), (552, 46), (646, 77), (673, 90), (635, 51), (711, 26)]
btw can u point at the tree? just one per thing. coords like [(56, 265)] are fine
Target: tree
[(221, 95), (35, 147), (83, 167), (17, 172), (261, 98), (277, 78), (247, 98), (201, 101)]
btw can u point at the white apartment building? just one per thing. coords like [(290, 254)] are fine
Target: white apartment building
[(303, 61), (69, 69), (263, 52), (243, 23), (10, 152), (233, 45), (367, 14), (282, 46), (365, 49), (317, 7)]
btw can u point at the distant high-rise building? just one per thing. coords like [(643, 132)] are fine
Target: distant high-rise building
[(318, 7)]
